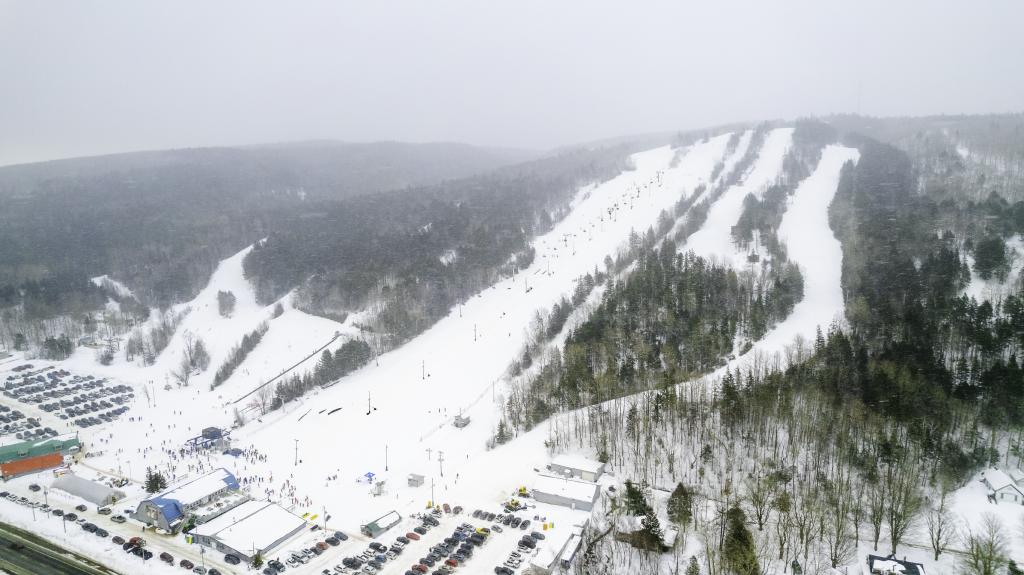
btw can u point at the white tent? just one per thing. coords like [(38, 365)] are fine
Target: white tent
[(93, 492)]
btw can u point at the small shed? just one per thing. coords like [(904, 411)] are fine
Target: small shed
[(92, 491), (381, 524), (415, 480)]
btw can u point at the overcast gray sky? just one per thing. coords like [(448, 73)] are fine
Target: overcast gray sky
[(82, 78)]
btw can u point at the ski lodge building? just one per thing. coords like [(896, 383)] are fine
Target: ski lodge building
[(206, 497), (250, 528)]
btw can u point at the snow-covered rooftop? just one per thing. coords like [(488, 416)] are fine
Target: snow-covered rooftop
[(997, 479), (200, 487), (91, 491), (254, 524), (570, 488), (549, 548), (578, 462)]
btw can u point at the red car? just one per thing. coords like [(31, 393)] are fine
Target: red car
[(167, 558), (413, 536), (186, 564), (420, 567)]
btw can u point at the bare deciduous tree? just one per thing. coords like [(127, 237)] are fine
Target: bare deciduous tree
[(904, 502), (941, 526), (985, 547)]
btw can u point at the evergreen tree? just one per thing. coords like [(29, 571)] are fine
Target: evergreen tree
[(502, 434), (257, 560), (226, 303), (155, 481), (739, 551), (693, 568), (680, 505), (636, 503)]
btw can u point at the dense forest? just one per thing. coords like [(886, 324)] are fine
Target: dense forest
[(862, 433), (161, 221)]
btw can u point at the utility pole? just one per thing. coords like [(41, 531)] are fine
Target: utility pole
[(440, 461), (296, 452), (423, 370), (429, 450), (474, 332), (431, 493), (385, 457)]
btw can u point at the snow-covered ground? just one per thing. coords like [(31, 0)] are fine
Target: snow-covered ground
[(393, 416), (811, 244), (714, 238)]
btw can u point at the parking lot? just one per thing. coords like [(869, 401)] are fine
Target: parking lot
[(431, 543), (77, 400)]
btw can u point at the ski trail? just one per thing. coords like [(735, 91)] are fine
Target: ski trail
[(714, 239), (810, 244)]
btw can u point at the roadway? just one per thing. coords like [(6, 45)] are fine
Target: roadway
[(24, 556)]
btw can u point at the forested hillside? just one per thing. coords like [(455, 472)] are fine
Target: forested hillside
[(411, 255), (861, 435), (160, 221)]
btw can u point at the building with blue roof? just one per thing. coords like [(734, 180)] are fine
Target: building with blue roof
[(205, 497)]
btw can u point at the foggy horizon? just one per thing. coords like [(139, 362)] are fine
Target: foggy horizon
[(90, 80)]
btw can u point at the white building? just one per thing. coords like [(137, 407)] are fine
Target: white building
[(169, 509), (1001, 487), (566, 492), (577, 466), (253, 527)]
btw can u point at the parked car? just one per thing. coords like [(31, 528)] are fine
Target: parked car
[(414, 536), (186, 564), (104, 511), (232, 559), (167, 558), (118, 519), (80, 508)]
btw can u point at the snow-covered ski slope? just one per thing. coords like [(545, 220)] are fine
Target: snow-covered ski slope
[(405, 404), (811, 244), (291, 337), (415, 391), (714, 238)]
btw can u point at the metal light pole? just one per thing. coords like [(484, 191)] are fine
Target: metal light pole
[(440, 461), (385, 457)]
